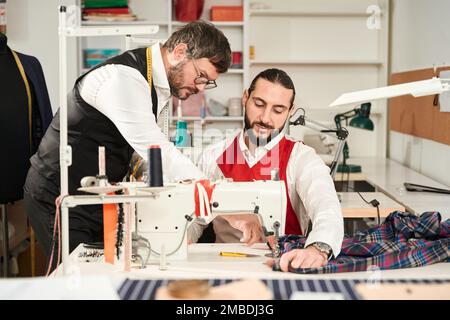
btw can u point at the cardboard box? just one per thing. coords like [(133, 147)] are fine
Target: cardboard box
[(226, 13)]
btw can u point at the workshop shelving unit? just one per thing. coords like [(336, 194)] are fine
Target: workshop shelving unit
[(68, 201)]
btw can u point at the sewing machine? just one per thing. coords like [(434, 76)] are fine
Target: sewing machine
[(160, 229)]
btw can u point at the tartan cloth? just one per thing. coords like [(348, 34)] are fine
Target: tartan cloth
[(403, 240)]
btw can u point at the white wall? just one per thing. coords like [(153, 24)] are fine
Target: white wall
[(420, 39), (33, 29), (309, 40)]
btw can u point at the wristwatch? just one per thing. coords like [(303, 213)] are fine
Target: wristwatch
[(323, 247)]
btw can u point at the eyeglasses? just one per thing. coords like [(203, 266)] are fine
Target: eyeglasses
[(202, 80)]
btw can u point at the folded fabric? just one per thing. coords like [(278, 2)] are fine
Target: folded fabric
[(403, 240)]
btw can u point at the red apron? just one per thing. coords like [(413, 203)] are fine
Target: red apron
[(233, 165)]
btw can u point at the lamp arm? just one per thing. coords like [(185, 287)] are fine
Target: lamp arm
[(344, 116), (341, 133), (317, 126)]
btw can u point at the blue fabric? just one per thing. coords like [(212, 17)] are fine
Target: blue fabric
[(41, 100)]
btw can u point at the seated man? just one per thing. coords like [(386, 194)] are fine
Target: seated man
[(262, 148)]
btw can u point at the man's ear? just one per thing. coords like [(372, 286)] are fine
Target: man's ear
[(179, 53), (245, 97), (292, 110)]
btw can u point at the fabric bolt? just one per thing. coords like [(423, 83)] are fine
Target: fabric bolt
[(403, 240)]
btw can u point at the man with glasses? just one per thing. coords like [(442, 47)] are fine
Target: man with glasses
[(117, 105), (261, 151)]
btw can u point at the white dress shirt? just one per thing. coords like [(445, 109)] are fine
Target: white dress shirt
[(311, 190), (123, 95)]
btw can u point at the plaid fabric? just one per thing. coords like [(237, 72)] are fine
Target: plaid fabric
[(402, 241)]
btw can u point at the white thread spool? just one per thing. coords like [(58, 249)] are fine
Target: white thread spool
[(101, 161), (88, 181)]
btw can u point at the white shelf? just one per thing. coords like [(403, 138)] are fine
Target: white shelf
[(111, 30), (283, 13), (210, 118), (230, 71), (235, 71), (122, 23), (317, 62), (229, 24)]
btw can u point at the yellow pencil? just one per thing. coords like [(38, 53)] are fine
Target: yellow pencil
[(236, 254)]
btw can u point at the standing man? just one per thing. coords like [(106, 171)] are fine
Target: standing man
[(254, 153), (116, 105)]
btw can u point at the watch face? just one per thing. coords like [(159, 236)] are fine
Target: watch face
[(323, 247)]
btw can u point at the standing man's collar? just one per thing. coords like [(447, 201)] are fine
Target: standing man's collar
[(159, 73)]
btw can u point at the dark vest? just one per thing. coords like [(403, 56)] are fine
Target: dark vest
[(88, 129)]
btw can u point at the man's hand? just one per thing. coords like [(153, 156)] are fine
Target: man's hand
[(249, 225), (301, 258)]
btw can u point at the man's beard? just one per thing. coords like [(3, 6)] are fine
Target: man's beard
[(254, 138), (176, 81)]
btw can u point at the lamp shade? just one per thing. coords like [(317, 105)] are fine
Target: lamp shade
[(362, 119), (362, 123)]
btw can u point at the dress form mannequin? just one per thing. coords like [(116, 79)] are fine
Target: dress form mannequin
[(14, 127), (14, 141), (3, 42)]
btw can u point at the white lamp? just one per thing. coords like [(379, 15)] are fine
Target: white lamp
[(417, 89)]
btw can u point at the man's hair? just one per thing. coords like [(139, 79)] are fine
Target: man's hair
[(275, 76), (203, 40)]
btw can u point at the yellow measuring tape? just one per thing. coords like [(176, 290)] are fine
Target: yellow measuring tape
[(149, 67), (149, 80), (27, 88), (30, 109)]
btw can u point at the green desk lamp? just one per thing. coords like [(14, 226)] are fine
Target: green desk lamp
[(359, 119)]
